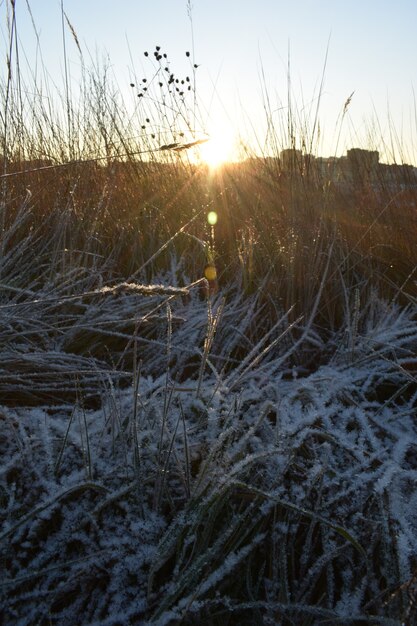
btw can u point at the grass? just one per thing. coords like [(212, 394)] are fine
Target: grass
[(182, 452)]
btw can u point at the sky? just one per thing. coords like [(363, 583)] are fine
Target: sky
[(246, 50)]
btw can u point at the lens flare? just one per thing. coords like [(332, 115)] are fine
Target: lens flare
[(212, 218), (210, 273)]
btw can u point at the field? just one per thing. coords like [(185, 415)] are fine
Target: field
[(201, 423)]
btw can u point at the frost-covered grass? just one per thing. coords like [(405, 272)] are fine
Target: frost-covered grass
[(164, 463), (171, 458)]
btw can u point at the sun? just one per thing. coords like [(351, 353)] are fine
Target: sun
[(219, 148)]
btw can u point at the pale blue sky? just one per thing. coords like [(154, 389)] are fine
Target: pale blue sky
[(372, 51)]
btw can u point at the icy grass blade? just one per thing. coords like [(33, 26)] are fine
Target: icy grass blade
[(294, 507), (52, 502)]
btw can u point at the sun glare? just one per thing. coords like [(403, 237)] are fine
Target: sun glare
[(219, 149)]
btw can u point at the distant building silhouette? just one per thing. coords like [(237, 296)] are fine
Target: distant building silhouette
[(363, 165), (291, 160), (359, 168)]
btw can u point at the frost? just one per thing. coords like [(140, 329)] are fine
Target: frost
[(158, 483)]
